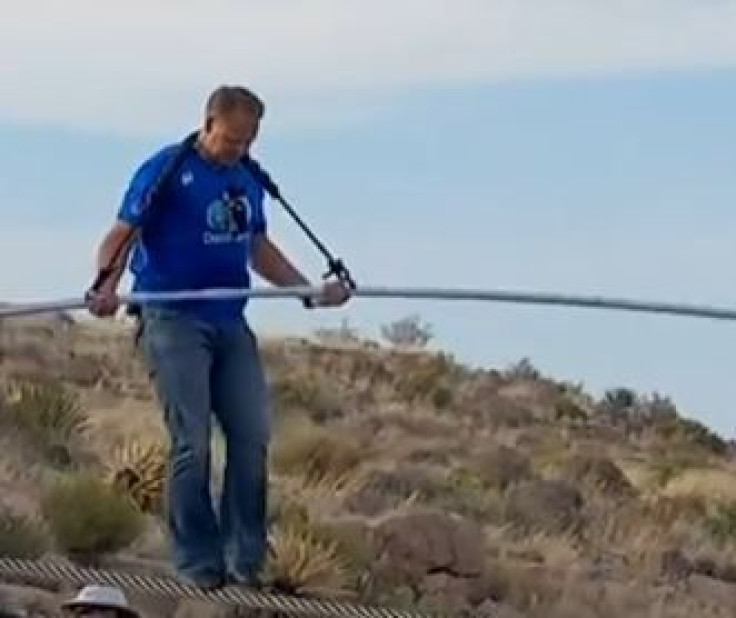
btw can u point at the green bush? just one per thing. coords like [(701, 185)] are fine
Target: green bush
[(86, 517), (20, 537), (721, 525)]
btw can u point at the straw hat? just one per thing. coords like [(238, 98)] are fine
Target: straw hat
[(103, 597)]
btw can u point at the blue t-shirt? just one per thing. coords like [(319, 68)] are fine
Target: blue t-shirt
[(189, 238)]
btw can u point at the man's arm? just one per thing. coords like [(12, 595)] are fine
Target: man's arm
[(271, 264), (114, 248), (113, 253), (112, 257)]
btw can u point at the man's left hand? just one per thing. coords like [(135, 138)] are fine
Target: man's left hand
[(334, 294)]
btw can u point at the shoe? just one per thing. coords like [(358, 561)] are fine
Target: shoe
[(204, 582), (250, 579)]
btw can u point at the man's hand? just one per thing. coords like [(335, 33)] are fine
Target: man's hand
[(103, 304), (112, 256), (334, 294)]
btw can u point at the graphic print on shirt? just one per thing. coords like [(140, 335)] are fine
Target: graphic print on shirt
[(224, 223)]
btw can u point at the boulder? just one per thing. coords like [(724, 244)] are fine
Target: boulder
[(423, 543)]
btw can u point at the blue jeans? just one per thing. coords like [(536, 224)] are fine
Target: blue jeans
[(199, 369)]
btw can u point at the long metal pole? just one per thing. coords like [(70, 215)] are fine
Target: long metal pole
[(425, 293)]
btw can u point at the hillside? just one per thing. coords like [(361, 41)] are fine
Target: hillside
[(399, 477)]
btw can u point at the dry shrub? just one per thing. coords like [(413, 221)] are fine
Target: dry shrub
[(711, 484), (500, 466), (548, 450), (305, 392), (464, 492), (525, 585), (295, 391), (321, 497), (551, 506), (382, 490), (459, 491), (662, 471), (721, 524), (556, 550), (567, 409), (314, 452), (87, 517), (665, 511), (426, 379), (597, 473)]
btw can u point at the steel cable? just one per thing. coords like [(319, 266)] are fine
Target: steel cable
[(54, 572), (425, 293)]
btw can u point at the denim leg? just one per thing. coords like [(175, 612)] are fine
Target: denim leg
[(179, 352), (240, 403)]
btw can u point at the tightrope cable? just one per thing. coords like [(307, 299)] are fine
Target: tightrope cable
[(425, 293), (53, 572)]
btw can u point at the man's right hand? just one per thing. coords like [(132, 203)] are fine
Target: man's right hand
[(103, 304)]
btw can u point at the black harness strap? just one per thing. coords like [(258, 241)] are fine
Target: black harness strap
[(149, 199)]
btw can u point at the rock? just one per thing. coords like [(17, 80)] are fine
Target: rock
[(442, 592), (22, 601), (201, 609), (712, 591), (727, 573), (353, 534), (552, 506), (403, 481), (501, 466), (706, 566), (492, 609), (675, 564), (418, 544), (367, 501)]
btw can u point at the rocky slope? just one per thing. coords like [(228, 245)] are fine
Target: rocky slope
[(399, 478)]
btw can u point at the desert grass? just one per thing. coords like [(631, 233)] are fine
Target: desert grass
[(389, 432)]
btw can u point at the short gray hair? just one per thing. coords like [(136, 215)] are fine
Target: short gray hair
[(226, 98)]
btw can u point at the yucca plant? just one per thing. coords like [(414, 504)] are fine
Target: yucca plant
[(47, 413), (303, 564), (138, 470)]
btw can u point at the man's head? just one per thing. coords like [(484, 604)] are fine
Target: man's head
[(99, 602), (232, 119)]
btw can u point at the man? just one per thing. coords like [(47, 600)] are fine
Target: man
[(205, 228), (99, 602)]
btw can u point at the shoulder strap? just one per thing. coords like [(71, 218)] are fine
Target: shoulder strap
[(168, 171), (149, 200)]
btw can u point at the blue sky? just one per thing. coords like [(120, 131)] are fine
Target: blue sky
[(575, 163)]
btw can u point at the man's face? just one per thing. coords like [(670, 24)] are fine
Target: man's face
[(231, 135)]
